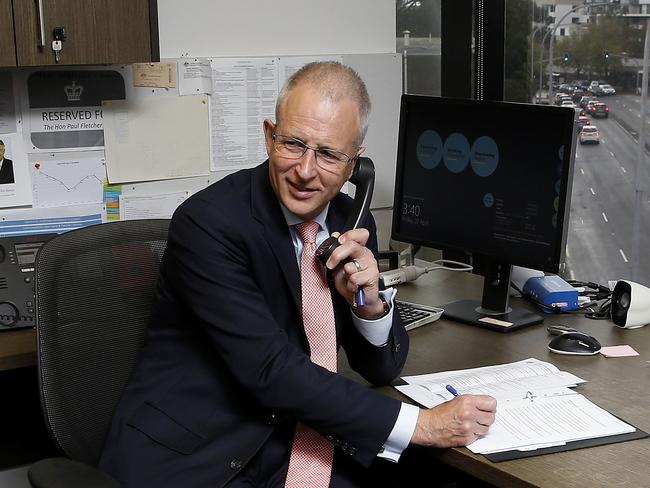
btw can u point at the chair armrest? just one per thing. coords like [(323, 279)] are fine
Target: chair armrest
[(66, 473)]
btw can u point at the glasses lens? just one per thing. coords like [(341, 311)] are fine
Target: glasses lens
[(331, 157), (289, 147)]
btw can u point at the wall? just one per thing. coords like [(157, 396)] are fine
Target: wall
[(213, 28), (205, 28)]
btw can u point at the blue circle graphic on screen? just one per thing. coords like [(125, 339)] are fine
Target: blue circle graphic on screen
[(429, 149), (485, 156), (488, 200), (455, 152), (560, 153)]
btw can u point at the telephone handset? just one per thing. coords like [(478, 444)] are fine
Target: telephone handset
[(363, 178)]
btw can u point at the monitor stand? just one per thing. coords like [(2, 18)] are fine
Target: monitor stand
[(493, 312)]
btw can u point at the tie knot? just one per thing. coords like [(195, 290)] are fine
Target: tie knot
[(307, 231)]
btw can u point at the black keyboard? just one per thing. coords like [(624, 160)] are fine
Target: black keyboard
[(414, 315)]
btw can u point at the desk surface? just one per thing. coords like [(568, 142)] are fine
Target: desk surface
[(620, 385), (17, 348)]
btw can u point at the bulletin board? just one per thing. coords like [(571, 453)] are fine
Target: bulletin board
[(55, 177)]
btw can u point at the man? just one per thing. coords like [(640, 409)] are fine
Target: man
[(6, 167), (236, 384)]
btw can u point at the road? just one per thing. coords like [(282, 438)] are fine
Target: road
[(599, 244)]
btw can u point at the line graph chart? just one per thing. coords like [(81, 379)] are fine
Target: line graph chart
[(67, 182)]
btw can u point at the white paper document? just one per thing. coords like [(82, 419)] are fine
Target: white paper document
[(156, 138), (194, 76), (504, 382), (243, 95), (542, 421), (535, 405), (57, 182), (151, 206)]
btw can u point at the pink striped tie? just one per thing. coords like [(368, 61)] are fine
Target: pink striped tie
[(310, 465)]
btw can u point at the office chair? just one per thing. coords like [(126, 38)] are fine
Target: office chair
[(94, 289)]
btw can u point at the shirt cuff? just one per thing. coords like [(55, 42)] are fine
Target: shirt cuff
[(377, 331), (401, 434)]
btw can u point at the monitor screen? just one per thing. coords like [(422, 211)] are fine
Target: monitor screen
[(492, 179)]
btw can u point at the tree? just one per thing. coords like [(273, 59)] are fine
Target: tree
[(587, 45), (518, 29), (420, 17)]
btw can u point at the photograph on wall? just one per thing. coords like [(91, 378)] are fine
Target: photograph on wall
[(64, 109), (15, 188)]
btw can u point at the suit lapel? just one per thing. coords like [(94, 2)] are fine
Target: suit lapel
[(336, 215), (266, 209)]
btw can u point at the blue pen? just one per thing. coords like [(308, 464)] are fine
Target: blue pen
[(452, 390), (360, 298)]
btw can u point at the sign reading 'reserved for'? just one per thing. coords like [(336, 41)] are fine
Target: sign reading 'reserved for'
[(65, 107)]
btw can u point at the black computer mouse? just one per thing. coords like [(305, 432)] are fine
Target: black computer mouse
[(577, 343)]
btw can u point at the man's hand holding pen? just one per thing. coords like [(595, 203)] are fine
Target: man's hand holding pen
[(458, 422)]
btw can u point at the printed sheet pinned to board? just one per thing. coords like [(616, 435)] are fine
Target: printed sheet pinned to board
[(156, 138)]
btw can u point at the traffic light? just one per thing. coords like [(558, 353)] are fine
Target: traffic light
[(606, 55), (566, 57)]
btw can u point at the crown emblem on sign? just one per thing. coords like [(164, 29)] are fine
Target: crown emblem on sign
[(73, 92)]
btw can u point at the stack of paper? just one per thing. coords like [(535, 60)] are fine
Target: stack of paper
[(535, 406)]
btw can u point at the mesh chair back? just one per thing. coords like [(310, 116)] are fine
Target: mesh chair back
[(94, 288)]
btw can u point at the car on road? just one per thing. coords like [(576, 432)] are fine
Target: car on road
[(586, 99), (599, 109), (608, 90), (590, 105), (589, 134), (596, 91), (582, 121), (579, 110), (567, 103), (561, 97), (578, 93)]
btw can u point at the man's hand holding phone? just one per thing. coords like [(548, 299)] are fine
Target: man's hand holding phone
[(354, 266)]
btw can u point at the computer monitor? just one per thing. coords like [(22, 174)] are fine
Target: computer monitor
[(491, 179)]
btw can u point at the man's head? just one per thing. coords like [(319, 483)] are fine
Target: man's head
[(324, 106), (2, 150)]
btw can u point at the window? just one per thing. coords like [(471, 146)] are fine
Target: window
[(419, 42), (605, 48)]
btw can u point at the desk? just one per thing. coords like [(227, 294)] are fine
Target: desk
[(17, 348), (621, 386)]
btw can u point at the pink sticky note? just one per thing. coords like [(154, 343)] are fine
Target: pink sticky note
[(618, 351)]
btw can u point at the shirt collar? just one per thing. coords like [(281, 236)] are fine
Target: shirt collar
[(292, 219)]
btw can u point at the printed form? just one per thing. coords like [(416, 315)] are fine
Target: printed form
[(535, 405)]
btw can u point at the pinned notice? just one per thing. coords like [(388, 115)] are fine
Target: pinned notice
[(158, 75)]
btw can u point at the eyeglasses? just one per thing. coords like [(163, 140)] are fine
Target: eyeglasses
[(292, 148)]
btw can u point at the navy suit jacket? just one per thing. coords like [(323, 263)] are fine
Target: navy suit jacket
[(7, 172), (226, 359)]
